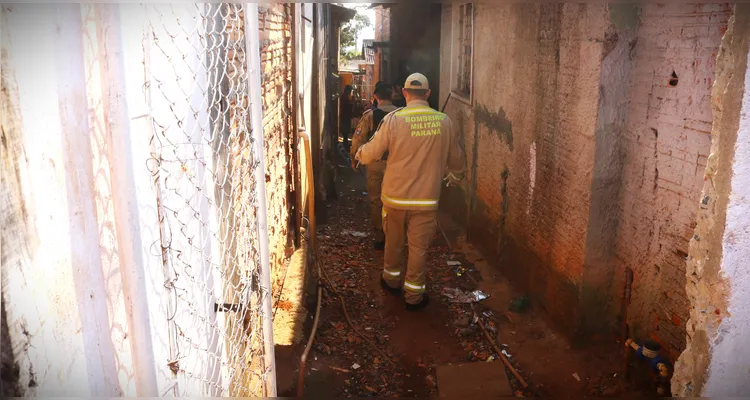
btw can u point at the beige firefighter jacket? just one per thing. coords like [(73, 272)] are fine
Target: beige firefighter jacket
[(364, 132), (422, 148)]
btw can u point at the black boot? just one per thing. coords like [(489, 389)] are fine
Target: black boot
[(393, 291), (415, 307)]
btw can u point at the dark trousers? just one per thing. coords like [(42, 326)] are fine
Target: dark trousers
[(346, 128)]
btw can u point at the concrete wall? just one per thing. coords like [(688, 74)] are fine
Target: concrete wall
[(715, 362), (70, 76), (584, 161), (62, 275)]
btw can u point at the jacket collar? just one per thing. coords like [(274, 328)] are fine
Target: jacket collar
[(417, 103), (384, 103)]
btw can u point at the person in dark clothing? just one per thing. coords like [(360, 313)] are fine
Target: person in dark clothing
[(346, 109), (398, 97), (374, 97)]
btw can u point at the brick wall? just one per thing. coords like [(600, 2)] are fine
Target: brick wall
[(667, 143), (279, 156), (276, 73), (529, 134), (382, 34), (529, 140)]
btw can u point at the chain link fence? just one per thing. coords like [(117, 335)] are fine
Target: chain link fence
[(202, 163)]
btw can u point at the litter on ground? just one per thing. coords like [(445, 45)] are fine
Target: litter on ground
[(455, 295)]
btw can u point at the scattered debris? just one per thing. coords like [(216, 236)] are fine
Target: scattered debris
[(575, 375), (349, 274), (460, 296), (463, 321), (507, 363), (465, 331), (355, 234)]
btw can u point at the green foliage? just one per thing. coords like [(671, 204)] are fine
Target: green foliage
[(350, 54), (351, 29)]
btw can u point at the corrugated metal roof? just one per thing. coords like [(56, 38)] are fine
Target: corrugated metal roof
[(345, 13)]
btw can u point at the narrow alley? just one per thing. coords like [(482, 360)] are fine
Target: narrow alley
[(184, 206), (343, 363)]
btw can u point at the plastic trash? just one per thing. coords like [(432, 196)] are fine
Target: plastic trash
[(459, 296), (355, 233)]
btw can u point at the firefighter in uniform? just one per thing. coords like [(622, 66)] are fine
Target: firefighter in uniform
[(421, 147), (375, 170)]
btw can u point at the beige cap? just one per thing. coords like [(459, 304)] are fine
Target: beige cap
[(417, 81)]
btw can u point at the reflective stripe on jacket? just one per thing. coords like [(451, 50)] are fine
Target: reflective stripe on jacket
[(422, 148)]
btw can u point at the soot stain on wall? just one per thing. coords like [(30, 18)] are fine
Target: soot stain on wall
[(474, 161), (496, 122), (504, 203)]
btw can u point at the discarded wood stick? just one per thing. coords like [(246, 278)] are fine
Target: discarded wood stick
[(498, 351), (346, 313)]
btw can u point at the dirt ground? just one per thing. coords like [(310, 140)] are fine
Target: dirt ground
[(342, 364)]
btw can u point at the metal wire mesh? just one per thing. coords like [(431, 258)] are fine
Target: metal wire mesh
[(202, 163)]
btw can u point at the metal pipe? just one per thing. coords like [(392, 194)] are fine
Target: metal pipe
[(446, 102), (85, 260), (305, 141), (311, 227), (256, 120), (294, 7), (303, 359), (127, 220)]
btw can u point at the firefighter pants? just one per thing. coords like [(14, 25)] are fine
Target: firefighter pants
[(375, 173), (418, 227)]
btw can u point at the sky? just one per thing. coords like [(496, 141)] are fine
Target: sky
[(367, 33)]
